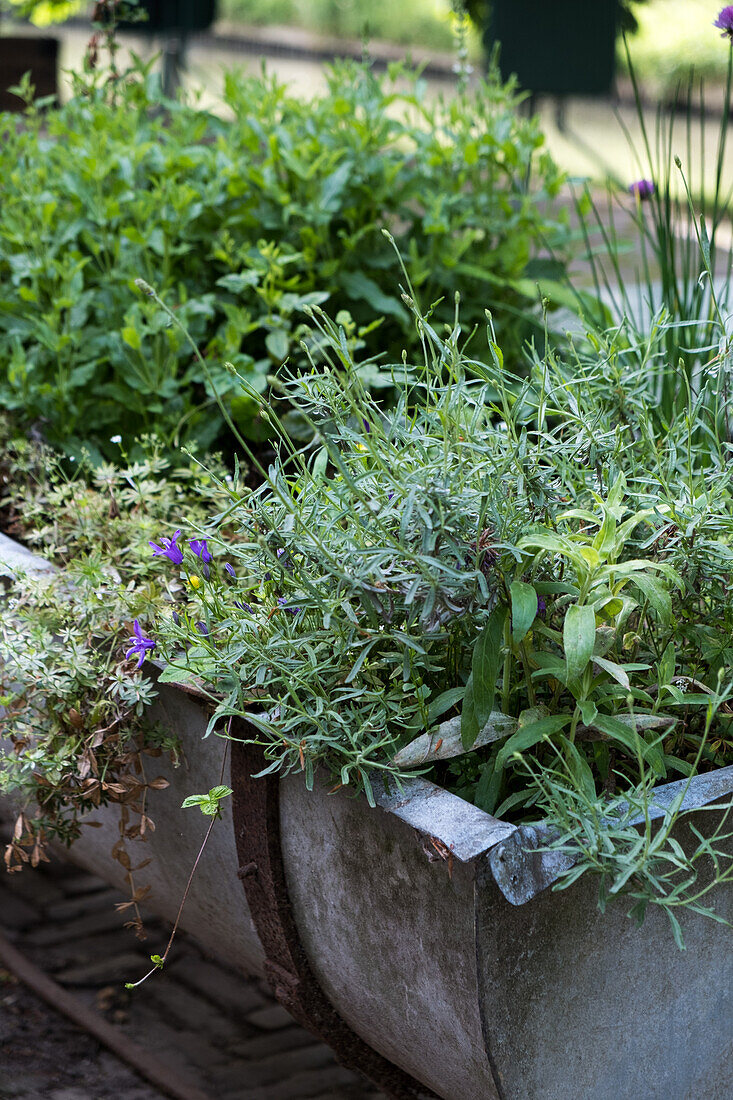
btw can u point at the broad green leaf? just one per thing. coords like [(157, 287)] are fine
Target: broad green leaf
[(360, 287), (667, 665), (530, 735), (524, 609), (486, 664), (469, 722), (488, 787), (619, 674), (588, 711), (579, 768), (333, 186), (579, 635), (444, 702), (172, 674), (627, 736), (657, 595)]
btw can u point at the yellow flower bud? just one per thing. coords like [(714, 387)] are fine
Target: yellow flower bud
[(194, 581)]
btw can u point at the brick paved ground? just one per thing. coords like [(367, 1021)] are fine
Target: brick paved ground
[(224, 1032)]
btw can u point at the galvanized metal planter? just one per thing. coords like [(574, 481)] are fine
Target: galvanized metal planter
[(393, 933)]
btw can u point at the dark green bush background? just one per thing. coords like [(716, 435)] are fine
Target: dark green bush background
[(240, 221)]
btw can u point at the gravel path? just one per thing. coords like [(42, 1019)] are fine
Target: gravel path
[(223, 1032)]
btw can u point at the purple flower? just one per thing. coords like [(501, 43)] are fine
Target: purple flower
[(244, 606), (201, 550), (230, 569), (139, 644), (643, 189), (169, 548), (202, 629), (282, 602), (725, 21), (367, 425), (541, 605), (176, 618)]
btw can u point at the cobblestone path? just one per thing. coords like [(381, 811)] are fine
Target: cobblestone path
[(222, 1031)]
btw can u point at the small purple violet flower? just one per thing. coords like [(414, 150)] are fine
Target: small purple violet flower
[(169, 548), (725, 22), (202, 628), (244, 606), (230, 569), (282, 602), (643, 189), (140, 644)]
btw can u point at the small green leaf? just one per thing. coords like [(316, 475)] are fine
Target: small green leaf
[(132, 337), (278, 344), (217, 793), (194, 800)]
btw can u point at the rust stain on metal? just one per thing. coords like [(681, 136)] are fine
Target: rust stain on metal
[(256, 808)]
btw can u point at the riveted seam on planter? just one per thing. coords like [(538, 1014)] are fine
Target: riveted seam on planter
[(256, 810)]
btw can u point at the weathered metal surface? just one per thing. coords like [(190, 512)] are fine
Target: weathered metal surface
[(445, 741), (464, 829), (16, 558), (216, 910), (388, 926), (579, 1003), (291, 978), (522, 870)]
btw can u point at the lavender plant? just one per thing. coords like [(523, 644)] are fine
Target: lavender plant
[(496, 564)]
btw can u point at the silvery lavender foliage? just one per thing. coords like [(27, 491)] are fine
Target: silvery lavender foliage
[(366, 564)]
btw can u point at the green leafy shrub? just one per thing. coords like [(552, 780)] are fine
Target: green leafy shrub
[(240, 222), (75, 703)]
